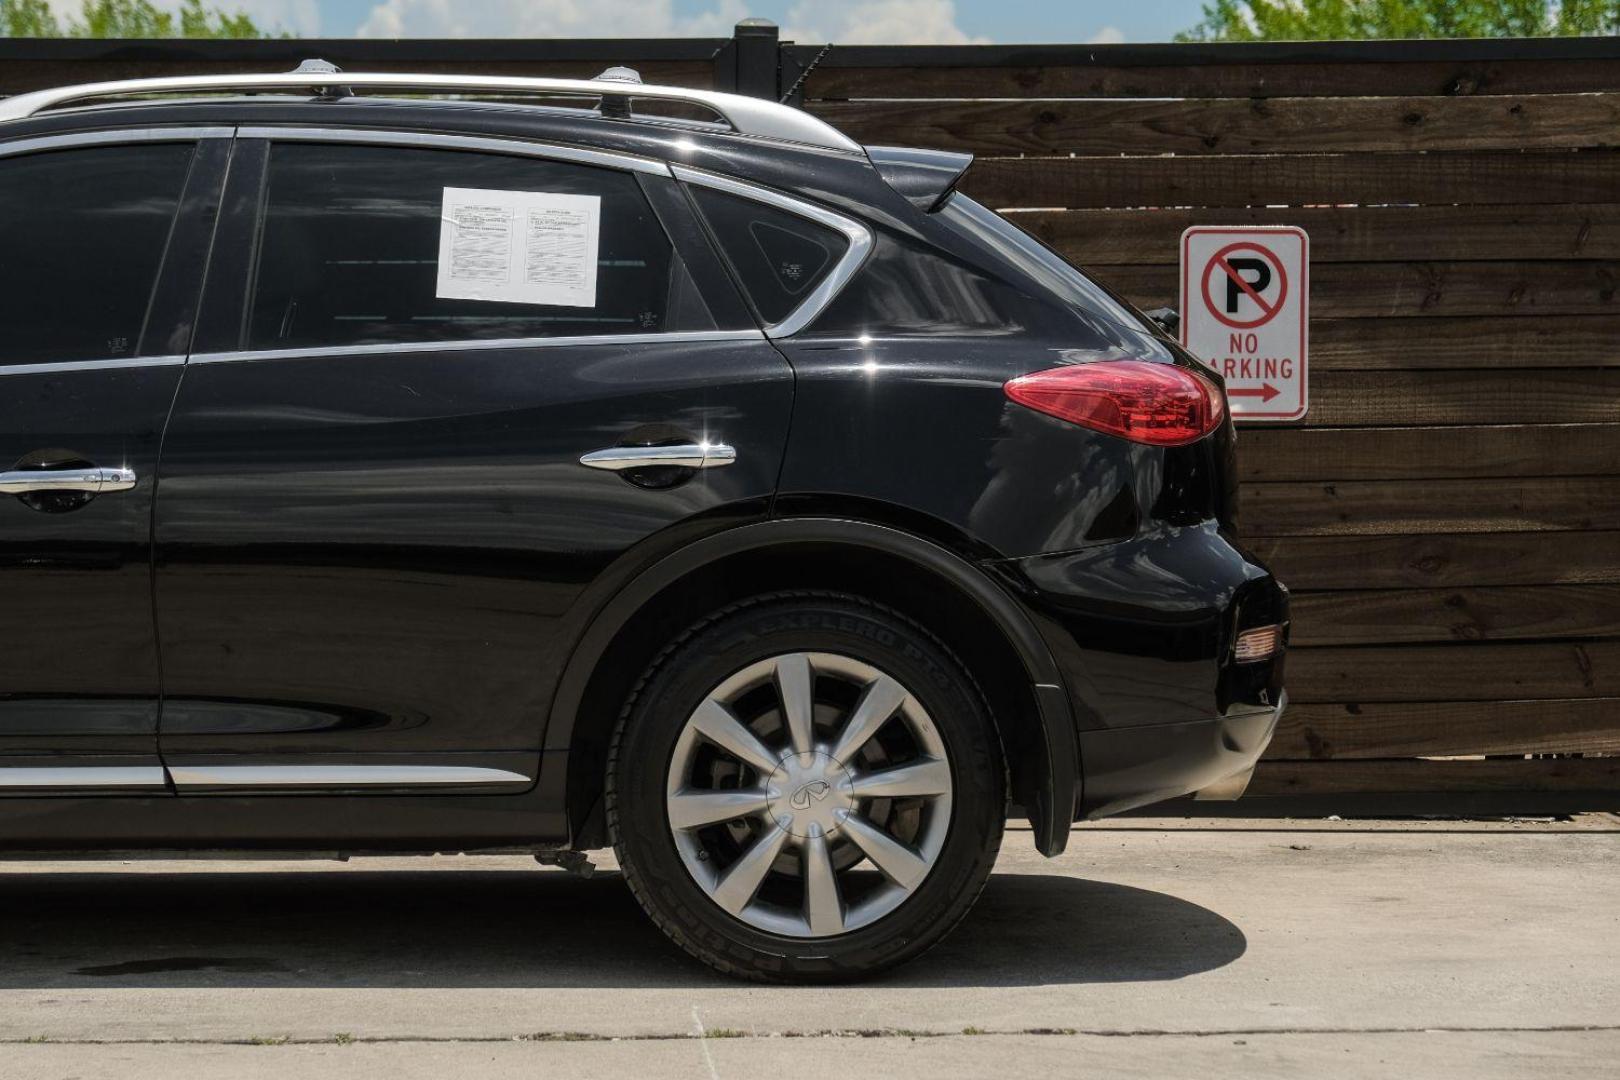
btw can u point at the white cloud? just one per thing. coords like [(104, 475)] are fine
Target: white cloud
[(1108, 35), (877, 22), (302, 17), (931, 22), (547, 18)]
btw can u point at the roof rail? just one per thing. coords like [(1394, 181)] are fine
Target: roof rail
[(746, 115)]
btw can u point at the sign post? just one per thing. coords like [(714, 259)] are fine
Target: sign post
[(1245, 298)]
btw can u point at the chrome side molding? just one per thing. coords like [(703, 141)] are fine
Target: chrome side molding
[(52, 779), (47, 777), (704, 455), (337, 776)]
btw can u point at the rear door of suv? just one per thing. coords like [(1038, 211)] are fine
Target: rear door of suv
[(374, 510), (105, 234)]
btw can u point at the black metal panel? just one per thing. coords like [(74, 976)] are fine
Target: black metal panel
[(79, 674), (224, 305), (1195, 54), (173, 316), (756, 58), (472, 52), (386, 541)]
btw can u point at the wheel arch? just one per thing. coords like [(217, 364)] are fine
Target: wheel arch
[(1015, 668)]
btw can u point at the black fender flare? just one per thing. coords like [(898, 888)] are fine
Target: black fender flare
[(1053, 813)]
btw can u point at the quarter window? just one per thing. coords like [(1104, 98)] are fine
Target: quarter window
[(353, 238), (778, 257), (84, 234)]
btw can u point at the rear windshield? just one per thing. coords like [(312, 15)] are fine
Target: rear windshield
[(1052, 270)]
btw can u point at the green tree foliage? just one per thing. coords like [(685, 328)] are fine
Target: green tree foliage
[(1307, 20), (124, 19), (28, 18)]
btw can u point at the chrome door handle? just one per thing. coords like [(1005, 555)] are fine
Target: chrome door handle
[(91, 481), (704, 455)]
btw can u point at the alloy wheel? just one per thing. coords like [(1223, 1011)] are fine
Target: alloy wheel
[(809, 794)]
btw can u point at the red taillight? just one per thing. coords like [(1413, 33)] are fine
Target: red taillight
[(1157, 404)]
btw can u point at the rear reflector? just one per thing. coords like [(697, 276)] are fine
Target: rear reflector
[(1157, 404), (1257, 644)]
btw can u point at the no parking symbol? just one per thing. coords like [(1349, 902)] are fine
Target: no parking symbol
[(1244, 301)]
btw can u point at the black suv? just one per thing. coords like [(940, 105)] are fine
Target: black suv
[(543, 465)]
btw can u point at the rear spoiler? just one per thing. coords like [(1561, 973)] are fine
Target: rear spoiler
[(925, 177)]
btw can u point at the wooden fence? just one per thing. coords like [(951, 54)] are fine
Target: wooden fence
[(1448, 514)]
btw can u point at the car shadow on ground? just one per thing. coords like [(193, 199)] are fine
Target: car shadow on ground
[(480, 928)]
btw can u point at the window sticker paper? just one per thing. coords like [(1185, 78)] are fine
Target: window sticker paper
[(519, 247)]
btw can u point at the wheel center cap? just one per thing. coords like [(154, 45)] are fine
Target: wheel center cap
[(809, 791)]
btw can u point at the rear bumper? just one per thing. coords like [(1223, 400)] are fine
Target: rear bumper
[(1125, 768), (1143, 633)]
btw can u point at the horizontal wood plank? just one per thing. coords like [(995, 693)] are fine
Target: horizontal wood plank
[(1402, 290), (1471, 342), (1441, 560), (1209, 126), (1342, 234), (1425, 398), (1414, 453), (1489, 613), (1440, 728), (1281, 778), (1384, 507), (1485, 671), (1483, 177), (1100, 79)]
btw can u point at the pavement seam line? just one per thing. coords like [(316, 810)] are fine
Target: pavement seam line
[(828, 1033)]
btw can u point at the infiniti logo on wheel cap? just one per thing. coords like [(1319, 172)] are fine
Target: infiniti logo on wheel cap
[(815, 789)]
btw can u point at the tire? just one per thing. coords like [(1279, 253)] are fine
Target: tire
[(869, 839)]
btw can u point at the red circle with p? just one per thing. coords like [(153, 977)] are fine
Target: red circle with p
[(1268, 268)]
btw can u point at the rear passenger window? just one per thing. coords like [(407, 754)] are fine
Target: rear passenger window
[(84, 235), (351, 246), (778, 257)]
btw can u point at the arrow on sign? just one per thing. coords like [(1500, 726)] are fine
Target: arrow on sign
[(1264, 393)]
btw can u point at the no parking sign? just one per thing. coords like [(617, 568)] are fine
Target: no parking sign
[(1245, 298)]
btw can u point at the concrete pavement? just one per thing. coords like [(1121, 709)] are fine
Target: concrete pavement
[(1150, 949)]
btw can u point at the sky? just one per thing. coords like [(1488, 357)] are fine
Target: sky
[(846, 21)]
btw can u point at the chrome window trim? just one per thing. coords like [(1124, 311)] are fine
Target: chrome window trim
[(114, 364), (859, 236), (476, 345), (304, 776), (113, 137), (483, 144), (123, 777), (433, 141)]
